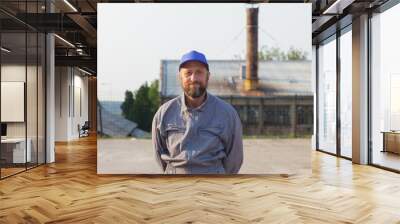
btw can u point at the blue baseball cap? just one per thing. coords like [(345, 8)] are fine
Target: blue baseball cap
[(193, 56)]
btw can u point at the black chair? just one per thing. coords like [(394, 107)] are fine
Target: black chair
[(84, 130)]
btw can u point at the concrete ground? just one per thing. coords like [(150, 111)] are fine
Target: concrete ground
[(261, 156)]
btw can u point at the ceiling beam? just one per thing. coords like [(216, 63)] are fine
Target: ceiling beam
[(86, 27), (83, 61)]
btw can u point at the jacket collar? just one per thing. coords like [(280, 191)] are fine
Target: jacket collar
[(200, 108)]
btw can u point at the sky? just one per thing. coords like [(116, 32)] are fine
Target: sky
[(132, 39)]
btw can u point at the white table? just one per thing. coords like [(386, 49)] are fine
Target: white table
[(19, 153)]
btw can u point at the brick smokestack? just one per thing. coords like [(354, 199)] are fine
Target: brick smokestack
[(251, 81)]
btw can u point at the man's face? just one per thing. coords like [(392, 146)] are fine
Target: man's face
[(194, 78)]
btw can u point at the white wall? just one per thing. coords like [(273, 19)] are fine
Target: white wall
[(71, 93), (10, 73), (17, 73), (313, 86), (61, 103)]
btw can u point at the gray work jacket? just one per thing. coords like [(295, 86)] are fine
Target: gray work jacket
[(202, 140)]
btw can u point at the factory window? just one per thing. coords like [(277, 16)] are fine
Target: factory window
[(253, 114), (241, 110), (304, 115), (276, 115)]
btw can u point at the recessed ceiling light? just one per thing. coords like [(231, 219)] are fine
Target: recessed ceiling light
[(5, 50), (64, 40), (84, 71), (338, 6), (70, 5)]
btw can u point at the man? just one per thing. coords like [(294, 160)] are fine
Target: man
[(197, 133)]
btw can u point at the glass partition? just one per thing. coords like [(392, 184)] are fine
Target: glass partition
[(346, 94), (327, 96), (14, 153), (385, 89), (22, 87)]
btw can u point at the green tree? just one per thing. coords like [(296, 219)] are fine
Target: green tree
[(143, 106), (295, 54), (154, 96), (127, 106), (275, 54)]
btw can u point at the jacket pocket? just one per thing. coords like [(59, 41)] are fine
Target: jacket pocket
[(174, 138), (212, 137)]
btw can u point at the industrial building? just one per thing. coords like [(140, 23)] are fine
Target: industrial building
[(282, 105)]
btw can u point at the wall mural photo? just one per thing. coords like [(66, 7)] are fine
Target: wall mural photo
[(204, 88)]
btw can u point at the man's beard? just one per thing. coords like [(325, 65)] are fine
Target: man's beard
[(195, 90)]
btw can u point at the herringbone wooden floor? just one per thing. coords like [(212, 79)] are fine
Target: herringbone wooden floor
[(69, 191)]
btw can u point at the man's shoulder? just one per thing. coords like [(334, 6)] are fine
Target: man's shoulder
[(170, 104), (224, 106)]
